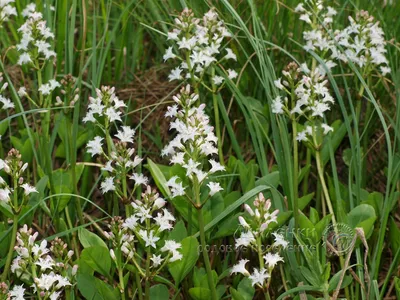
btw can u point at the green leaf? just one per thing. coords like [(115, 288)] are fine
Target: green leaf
[(98, 258), (394, 235), (359, 214), (159, 292), (199, 293), (179, 232), (89, 239), (190, 252), (93, 288), (245, 289), (158, 177), (313, 279), (271, 179), (303, 201), (333, 283)]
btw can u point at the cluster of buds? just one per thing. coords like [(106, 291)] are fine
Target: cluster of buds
[(258, 221), (199, 43), (49, 268), (69, 90), (309, 100), (105, 108), (34, 46), (256, 232), (146, 227), (15, 168), (6, 102)]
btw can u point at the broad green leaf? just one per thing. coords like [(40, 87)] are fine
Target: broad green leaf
[(359, 214), (93, 288), (158, 177), (89, 239), (179, 232), (199, 293), (333, 283), (98, 258), (159, 292)]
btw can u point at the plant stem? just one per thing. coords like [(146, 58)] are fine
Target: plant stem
[(295, 174), (216, 116), (121, 283), (320, 169), (203, 241), (147, 282), (11, 249), (14, 230)]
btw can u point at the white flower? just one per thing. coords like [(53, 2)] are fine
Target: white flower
[(272, 259), (17, 292), (45, 263), (5, 195), (157, 260), (24, 58), (126, 135), (7, 104), (131, 222), (278, 84), (95, 146), (230, 54), (40, 249), (277, 106), (107, 185), (385, 70), (245, 239), (139, 179), (55, 295), (175, 74), (326, 128), (232, 74), (218, 80), (280, 241), (28, 189), (113, 115), (214, 188), (215, 166), (302, 136), (171, 246), (191, 167), (240, 267), (168, 54), (149, 238), (259, 277), (22, 92)]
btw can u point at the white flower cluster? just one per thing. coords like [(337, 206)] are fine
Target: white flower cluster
[(119, 164), (48, 267), (254, 236), (199, 44), (311, 99), (34, 45), (6, 10), (147, 223), (194, 142), (15, 168), (106, 105), (319, 37), (6, 102), (364, 43)]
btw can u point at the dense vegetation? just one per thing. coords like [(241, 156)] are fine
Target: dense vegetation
[(193, 149)]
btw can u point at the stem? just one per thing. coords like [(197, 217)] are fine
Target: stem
[(121, 283), (324, 186), (11, 249), (147, 283), (139, 285), (216, 116), (295, 174), (203, 241), (14, 231)]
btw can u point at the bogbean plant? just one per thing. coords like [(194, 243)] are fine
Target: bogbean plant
[(156, 225)]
